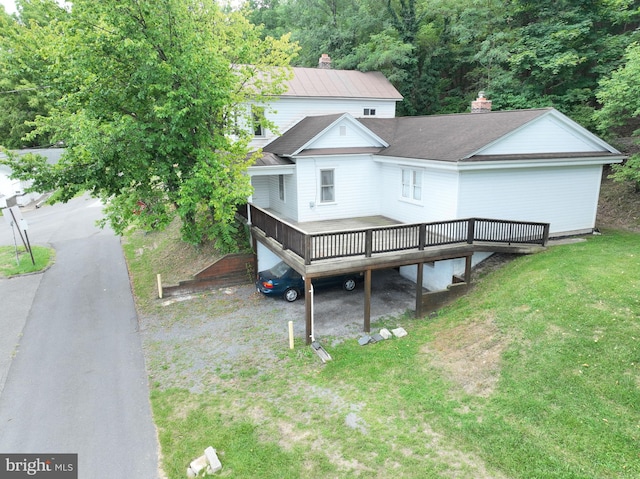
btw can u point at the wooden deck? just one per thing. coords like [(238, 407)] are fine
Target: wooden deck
[(324, 248), (365, 241), (347, 224)]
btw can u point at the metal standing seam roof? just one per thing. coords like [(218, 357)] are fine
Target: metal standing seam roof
[(328, 83)]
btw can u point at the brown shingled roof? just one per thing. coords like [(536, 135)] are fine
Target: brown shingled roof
[(327, 83), (303, 131), (456, 137), (437, 137), (447, 137), (270, 159)]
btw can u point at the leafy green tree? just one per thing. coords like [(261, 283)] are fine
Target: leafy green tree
[(271, 15), (440, 53), (334, 27), (24, 92), (620, 113), (560, 49), (152, 93)]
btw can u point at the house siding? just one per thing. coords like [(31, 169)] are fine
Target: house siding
[(351, 199), (288, 207), (546, 135), (286, 112), (261, 188), (439, 195), (565, 197), (345, 134)]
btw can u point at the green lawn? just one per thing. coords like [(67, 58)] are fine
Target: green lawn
[(10, 266), (534, 374)]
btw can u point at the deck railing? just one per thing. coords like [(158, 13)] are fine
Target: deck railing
[(385, 239)]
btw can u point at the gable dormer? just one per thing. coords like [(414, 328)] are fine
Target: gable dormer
[(328, 132)]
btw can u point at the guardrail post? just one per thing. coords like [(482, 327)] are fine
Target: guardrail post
[(422, 236), (307, 249), (471, 230), (545, 234)]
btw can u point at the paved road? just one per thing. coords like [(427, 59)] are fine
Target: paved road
[(72, 376)]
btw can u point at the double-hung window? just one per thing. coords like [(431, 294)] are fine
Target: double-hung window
[(327, 186), (281, 187), (412, 184), (257, 114)]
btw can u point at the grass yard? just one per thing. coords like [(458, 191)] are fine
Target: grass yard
[(9, 266), (534, 374)]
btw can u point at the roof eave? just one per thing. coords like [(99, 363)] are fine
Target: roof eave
[(271, 170), (515, 161)]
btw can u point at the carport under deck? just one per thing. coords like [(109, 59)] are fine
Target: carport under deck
[(327, 248)]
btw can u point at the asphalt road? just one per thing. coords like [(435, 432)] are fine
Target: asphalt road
[(72, 375)]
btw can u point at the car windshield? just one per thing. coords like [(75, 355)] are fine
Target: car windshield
[(280, 269)]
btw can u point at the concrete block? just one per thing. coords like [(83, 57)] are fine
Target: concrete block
[(199, 464), (377, 338), (190, 473), (399, 332), (385, 333), (214, 463)]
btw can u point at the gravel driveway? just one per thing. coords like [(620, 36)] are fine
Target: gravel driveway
[(192, 341)]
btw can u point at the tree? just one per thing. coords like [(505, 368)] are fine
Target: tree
[(24, 93), (560, 49), (151, 97), (620, 98)]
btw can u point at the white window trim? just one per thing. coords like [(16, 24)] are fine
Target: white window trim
[(412, 185), (320, 186), (282, 194), (257, 114)]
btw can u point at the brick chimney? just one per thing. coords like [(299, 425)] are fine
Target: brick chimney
[(324, 62), (481, 104)]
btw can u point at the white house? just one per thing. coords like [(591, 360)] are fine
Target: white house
[(322, 91), (525, 165)]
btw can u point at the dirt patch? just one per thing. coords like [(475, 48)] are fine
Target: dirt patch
[(174, 259), (492, 263), (619, 205), (470, 355)]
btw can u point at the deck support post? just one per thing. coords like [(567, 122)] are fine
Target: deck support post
[(308, 298), (419, 277), (367, 301), (467, 269)]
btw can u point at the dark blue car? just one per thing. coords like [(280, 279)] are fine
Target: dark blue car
[(283, 280)]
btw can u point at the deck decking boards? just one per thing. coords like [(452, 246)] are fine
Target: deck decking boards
[(377, 240), (346, 224)]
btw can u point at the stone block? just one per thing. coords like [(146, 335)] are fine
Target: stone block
[(399, 332), (214, 463), (385, 333), (364, 340), (199, 464)]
